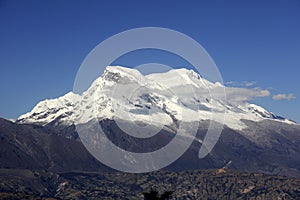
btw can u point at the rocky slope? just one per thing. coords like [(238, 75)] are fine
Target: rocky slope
[(34, 147)]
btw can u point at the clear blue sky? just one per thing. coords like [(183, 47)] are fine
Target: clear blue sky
[(42, 43)]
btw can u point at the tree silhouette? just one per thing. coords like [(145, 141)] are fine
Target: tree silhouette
[(153, 195)]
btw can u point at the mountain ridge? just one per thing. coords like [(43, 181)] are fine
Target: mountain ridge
[(189, 87)]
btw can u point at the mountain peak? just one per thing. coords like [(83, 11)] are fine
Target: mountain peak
[(121, 69), (115, 73)]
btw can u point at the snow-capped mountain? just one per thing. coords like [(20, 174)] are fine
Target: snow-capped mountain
[(159, 98), (253, 138)]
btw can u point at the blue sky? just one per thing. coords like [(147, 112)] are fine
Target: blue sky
[(42, 43)]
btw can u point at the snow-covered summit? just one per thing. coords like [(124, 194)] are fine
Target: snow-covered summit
[(156, 98)]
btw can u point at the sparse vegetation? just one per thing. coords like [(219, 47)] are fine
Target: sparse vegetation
[(197, 184)]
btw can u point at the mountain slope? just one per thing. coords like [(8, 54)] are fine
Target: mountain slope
[(33, 147)]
